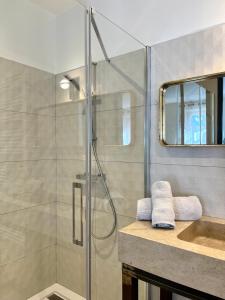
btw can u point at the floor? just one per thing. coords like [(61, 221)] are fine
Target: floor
[(60, 290)]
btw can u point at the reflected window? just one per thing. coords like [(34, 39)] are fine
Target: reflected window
[(193, 113), (126, 104), (117, 122)]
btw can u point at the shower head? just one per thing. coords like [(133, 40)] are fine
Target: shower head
[(73, 81)]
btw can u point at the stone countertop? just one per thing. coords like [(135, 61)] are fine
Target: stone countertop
[(161, 252)]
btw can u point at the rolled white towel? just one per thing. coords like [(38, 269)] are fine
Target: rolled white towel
[(163, 215), (185, 208), (144, 209)]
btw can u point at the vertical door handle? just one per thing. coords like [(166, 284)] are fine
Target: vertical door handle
[(77, 241)]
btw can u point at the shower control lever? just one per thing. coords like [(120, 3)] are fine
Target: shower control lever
[(77, 185), (93, 177)]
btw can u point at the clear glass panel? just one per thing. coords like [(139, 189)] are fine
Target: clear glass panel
[(118, 126), (42, 148), (70, 147)]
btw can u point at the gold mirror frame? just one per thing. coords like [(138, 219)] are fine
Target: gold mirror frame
[(162, 91)]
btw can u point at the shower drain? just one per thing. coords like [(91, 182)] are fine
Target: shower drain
[(55, 296)]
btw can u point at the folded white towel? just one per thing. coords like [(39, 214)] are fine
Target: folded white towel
[(163, 215), (144, 209), (185, 208)]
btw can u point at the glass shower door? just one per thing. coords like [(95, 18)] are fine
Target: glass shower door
[(71, 142), (118, 113)]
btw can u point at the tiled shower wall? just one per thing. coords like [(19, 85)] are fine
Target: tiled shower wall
[(27, 180), (122, 164)]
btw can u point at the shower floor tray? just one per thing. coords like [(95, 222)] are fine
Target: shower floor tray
[(56, 292)]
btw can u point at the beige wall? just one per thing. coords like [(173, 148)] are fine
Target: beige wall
[(199, 171), (191, 171), (27, 181)]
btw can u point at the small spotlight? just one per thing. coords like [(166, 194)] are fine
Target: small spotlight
[(64, 84)]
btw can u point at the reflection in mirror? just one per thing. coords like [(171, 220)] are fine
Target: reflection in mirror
[(117, 124), (192, 112)]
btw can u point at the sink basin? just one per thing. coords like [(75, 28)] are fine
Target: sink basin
[(205, 233)]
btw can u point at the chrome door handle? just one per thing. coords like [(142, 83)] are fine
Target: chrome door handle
[(79, 242)]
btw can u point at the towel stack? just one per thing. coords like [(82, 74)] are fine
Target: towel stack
[(163, 209)]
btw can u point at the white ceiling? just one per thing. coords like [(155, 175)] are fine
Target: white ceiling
[(151, 21), (55, 6)]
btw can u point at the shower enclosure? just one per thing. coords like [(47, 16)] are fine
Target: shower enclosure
[(74, 153)]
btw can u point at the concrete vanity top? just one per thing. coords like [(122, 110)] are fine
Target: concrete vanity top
[(161, 252)]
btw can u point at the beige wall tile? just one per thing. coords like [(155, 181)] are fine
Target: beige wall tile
[(70, 137), (126, 185), (110, 133), (40, 227), (26, 89), (205, 182), (66, 175), (71, 268), (26, 231), (188, 56), (124, 73), (13, 237), (25, 277), (27, 183), (108, 267), (40, 270)]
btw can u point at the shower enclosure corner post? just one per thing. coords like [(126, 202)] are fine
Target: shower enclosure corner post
[(147, 125), (88, 83), (147, 139)]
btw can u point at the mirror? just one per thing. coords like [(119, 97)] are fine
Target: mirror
[(192, 111)]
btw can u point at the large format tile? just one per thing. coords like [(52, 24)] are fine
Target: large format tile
[(198, 156), (70, 137), (40, 227), (120, 134), (13, 280), (26, 89), (27, 231), (108, 267), (13, 237), (40, 271), (71, 257), (124, 73), (126, 184), (71, 268), (24, 278), (187, 56), (205, 182), (26, 183), (67, 170), (65, 225), (26, 136)]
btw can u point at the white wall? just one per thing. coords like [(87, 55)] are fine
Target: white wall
[(70, 40), (27, 34), (34, 36), (150, 21), (153, 21)]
